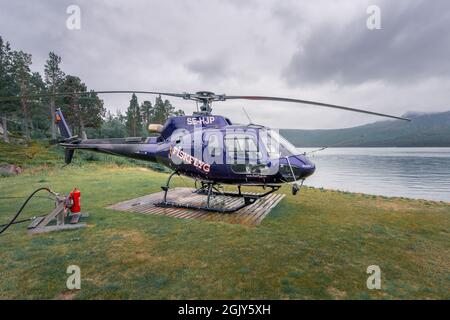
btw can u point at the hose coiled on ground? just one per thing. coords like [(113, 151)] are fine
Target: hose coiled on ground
[(13, 220)]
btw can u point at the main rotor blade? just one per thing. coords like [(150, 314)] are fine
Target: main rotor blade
[(43, 95), (314, 103)]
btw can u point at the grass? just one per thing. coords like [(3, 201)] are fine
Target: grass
[(316, 245), (30, 154), (41, 154)]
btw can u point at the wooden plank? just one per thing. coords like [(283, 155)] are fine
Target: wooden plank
[(58, 210), (252, 214), (273, 205), (261, 209), (35, 222)]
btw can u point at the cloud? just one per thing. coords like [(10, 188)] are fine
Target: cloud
[(211, 68), (313, 50), (411, 46)]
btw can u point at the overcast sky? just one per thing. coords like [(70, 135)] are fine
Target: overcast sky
[(317, 50)]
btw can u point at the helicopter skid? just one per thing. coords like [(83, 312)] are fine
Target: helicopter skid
[(216, 192)]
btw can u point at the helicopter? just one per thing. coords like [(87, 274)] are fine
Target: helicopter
[(210, 149)]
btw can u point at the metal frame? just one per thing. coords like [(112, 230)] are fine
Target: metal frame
[(40, 224)]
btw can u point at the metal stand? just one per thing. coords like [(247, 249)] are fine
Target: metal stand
[(40, 224)]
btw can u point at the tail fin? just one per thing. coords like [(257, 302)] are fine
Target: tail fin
[(65, 132), (64, 129), (68, 155)]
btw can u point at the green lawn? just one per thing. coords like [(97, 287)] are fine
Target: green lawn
[(316, 245)]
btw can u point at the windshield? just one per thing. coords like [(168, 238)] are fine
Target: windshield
[(277, 146)]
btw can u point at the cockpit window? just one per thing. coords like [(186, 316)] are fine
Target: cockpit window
[(241, 145), (277, 146)]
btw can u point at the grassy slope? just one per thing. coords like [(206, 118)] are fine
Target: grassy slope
[(30, 155), (315, 245), (40, 154)]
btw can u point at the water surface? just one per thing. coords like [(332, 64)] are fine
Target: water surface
[(422, 173)]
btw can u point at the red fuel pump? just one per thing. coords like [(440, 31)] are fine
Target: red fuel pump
[(74, 197)]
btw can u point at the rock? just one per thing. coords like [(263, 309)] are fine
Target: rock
[(10, 169)]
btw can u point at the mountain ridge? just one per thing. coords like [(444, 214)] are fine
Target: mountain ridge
[(425, 130)]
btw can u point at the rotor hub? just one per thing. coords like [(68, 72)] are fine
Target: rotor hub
[(205, 98)]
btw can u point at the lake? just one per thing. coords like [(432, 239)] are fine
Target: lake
[(421, 173)]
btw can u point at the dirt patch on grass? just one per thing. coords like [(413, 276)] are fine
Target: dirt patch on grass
[(398, 205), (128, 237), (67, 295), (131, 246), (336, 293), (142, 169)]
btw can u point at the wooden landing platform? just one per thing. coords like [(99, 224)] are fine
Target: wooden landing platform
[(250, 215)]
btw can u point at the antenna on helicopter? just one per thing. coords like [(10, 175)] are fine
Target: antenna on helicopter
[(248, 117)]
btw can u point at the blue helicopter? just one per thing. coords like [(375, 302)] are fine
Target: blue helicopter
[(211, 149)]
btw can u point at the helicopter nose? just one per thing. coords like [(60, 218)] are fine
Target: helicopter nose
[(299, 165), (307, 168)]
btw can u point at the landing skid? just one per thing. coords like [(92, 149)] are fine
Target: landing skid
[(216, 191), (212, 190)]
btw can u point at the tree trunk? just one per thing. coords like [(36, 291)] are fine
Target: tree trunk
[(32, 126), (26, 131), (53, 113), (82, 128), (5, 130), (83, 131)]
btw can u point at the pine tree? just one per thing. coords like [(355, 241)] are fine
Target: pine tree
[(38, 113), (159, 113), (17, 79), (134, 121), (146, 113), (169, 110), (113, 126), (162, 110), (7, 87), (92, 110), (179, 113), (53, 78), (82, 110), (71, 104), (21, 62)]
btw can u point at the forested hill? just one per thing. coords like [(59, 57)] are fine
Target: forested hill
[(425, 130)]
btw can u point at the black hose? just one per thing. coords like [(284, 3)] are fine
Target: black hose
[(5, 227), (9, 198)]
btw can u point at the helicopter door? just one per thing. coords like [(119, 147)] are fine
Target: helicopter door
[(243, 154), (185, 144), (214, 148)]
